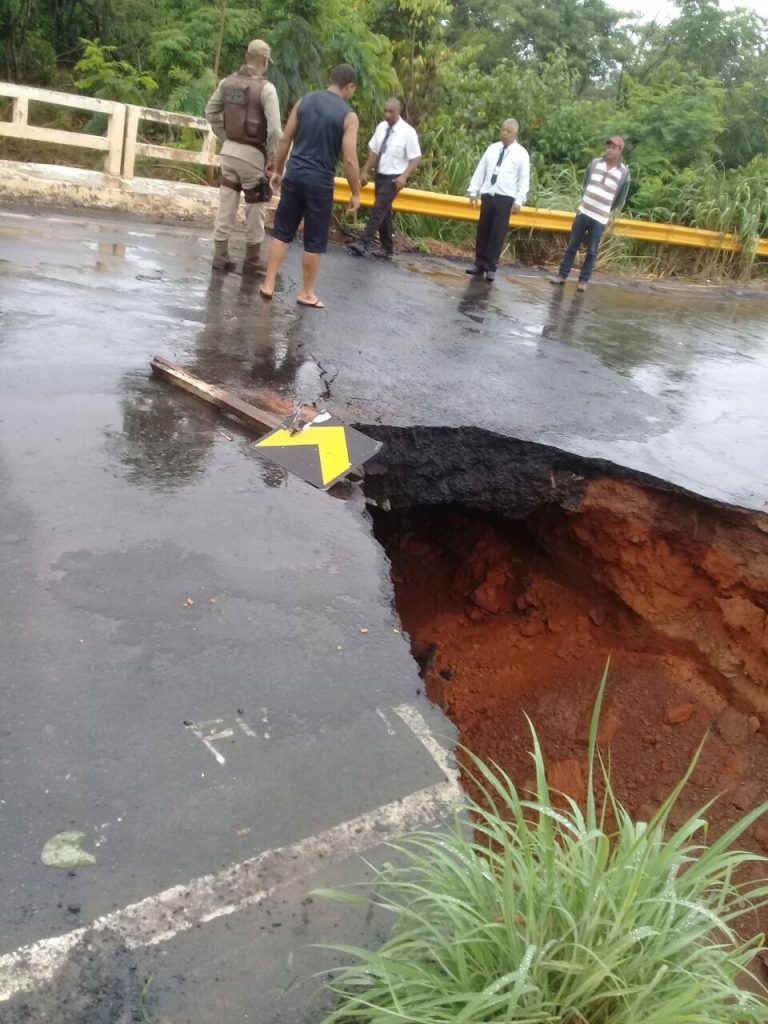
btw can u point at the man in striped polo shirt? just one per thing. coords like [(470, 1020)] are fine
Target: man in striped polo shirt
[(605, 189)]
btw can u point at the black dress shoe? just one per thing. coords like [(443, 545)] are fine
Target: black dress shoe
[(490, 276), (475, 271), (358, 248)]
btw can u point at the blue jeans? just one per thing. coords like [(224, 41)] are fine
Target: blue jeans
[(592, 230)]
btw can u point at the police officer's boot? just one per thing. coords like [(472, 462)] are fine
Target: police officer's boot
[(252, 263), (221, 260)]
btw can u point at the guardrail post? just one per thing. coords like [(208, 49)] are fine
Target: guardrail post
[(131, 137), (115, 138), (208, 151), (20, 113)]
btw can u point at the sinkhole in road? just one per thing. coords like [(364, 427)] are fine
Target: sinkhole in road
[(518, 570)]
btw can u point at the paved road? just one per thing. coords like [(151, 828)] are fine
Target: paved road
[(201, 664), (157, 573)]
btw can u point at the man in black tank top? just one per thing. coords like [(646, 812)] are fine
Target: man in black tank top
[(320, 125)]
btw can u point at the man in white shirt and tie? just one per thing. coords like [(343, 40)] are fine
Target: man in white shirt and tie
[(501, 179), (395, 153)]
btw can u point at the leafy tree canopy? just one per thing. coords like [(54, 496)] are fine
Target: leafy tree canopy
[(688, 95)]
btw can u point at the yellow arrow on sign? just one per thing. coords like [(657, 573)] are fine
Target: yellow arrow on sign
[(331, 443)]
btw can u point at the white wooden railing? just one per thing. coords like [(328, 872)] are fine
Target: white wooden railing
[(206, 155), (121, 141)]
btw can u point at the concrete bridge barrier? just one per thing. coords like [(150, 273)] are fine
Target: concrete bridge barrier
[(116, 187)]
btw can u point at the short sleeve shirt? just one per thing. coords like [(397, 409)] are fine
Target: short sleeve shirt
[(402, 146)]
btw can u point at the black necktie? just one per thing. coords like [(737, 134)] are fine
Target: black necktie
[(386, 140), (495, 174)]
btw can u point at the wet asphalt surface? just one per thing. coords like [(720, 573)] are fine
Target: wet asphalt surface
[(157, 572)]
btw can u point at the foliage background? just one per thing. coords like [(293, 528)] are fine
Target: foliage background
[(689, 96)]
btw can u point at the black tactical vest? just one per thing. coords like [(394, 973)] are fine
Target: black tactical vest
[(244, 119)]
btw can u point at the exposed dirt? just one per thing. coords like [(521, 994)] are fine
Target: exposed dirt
[(510, 618)]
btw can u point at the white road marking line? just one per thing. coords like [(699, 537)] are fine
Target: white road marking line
[(247, 729), (208, 735), (387, 723), (418, 726), (159, 918)]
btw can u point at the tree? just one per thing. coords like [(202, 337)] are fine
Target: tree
[(673, 119), (714, 42), (100, 74), (592, 33)]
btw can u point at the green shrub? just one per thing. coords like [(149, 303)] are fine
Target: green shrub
[(102, 74), (549, 913)]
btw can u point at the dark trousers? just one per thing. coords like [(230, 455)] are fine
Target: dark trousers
[(588, 228), (380, 218), (492, 229)]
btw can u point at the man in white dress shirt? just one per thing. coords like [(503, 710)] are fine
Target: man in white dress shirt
[(395, 153), (501, 179)]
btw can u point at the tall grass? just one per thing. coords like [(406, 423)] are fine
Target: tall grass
[(710, 197), (447, 167), (733, 201), (549, 913)]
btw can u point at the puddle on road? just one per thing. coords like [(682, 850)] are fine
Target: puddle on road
[(241, 343), (678, 345), (251, 348), (518, 571), (630, 332)]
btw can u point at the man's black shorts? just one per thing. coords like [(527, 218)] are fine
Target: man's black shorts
[(313, 203)]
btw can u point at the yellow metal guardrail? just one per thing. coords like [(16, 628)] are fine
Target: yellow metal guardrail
[(530, 218)]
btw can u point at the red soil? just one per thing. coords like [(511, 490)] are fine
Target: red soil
[(511, 619)]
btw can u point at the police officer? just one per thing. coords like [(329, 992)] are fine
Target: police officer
[(244, 112)]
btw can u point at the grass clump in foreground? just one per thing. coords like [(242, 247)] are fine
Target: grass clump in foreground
[(553, 915)]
